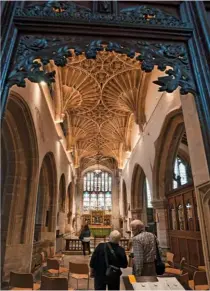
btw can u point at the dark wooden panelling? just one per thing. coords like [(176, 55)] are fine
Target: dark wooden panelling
[(193, 253), (200, 248), (187, 242), (183, 248), (175, 248)]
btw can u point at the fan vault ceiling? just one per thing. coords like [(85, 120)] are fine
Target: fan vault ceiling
[(98, 101)]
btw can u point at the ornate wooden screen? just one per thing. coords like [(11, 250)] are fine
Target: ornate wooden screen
[(184, 232)]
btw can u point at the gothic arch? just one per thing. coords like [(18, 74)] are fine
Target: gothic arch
[(137, 186), (62, 193), (125, 201), (46, 197), (19, 174), (166, 147), (70, 193)]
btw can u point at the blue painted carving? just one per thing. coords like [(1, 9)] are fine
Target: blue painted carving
[(70, 11), (33, 54)]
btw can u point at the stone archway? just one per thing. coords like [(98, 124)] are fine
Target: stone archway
[(125, 218), (19, 185), (137, 185), (125, 200), (61, 204), (46, 200), (69, 207), (149, 55), (166, 148)]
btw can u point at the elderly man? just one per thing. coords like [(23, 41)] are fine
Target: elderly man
[(98, 264), (144, 250)]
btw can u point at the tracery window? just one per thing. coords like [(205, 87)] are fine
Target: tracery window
[(97, 191), (148, 194), (180, 175)]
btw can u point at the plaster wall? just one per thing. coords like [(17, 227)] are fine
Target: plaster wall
[(144, 152)]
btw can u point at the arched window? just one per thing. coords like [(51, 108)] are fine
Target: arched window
[(97, 191), (148, 194), (180, 175)]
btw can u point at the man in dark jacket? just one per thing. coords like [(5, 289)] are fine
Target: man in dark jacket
[(98, 263)]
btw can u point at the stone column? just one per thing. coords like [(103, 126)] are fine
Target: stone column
[(160, 207), (203, 207), (78, 202), (115, 202)]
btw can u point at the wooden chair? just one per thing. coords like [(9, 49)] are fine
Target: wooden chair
[(79, 271), (199, 281), (20, 281), (59, 257), (175, 271), (54, 283), (53, 267), (169, 260), (202, 268)]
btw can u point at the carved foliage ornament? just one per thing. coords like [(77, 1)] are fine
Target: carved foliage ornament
[(33, 54), (70, 11)]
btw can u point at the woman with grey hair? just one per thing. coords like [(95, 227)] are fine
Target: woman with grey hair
[(116, 257)]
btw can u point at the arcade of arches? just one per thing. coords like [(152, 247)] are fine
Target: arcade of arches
[(102, 145)]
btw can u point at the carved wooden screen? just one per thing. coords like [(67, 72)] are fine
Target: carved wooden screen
[(184, 234)]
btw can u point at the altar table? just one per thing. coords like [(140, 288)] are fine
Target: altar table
[(100, 230)]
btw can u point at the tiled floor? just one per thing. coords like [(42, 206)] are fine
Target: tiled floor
[(83, 282)]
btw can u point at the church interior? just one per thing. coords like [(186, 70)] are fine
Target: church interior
[(102, 140)]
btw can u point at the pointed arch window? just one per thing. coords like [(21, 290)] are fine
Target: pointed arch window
[(148, 194), (97, 191), (180, 174)]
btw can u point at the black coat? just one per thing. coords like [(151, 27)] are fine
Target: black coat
[(98, 262)]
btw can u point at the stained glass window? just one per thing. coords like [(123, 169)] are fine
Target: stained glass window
[(148, 193), (97, 191), (180, 176)]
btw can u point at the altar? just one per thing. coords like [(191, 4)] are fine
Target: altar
[(99, 223), (100, 230)]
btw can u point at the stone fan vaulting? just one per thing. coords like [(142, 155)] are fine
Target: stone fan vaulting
[(98, 101), (100, 90)]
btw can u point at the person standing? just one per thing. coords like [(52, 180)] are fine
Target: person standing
[(115, 256), (85, 238), (144, 250)]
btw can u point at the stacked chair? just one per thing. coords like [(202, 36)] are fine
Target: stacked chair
[(199, 281), (54, 283), (54, 268), (175, 271), (79, 271)]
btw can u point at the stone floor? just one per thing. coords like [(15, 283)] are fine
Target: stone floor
[(83, 282)]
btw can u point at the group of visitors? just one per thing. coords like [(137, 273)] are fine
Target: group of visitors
[(108, 258)]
